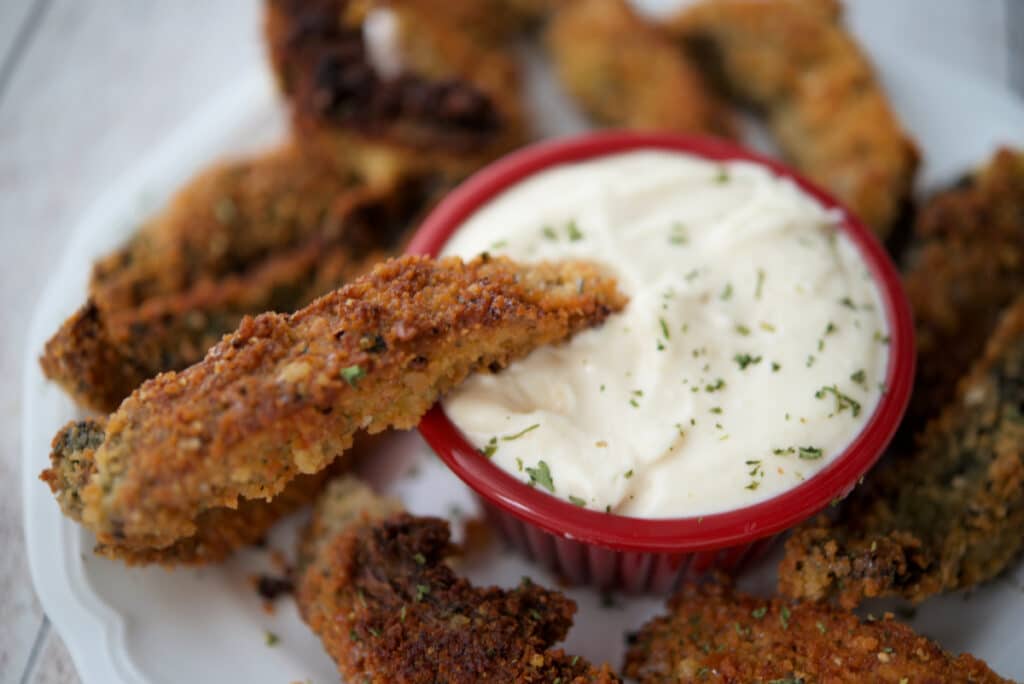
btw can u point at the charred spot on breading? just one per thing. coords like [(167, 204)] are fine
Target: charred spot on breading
[(947, 515), (250, 417), (377, 591), (713, 633), (320, 54)]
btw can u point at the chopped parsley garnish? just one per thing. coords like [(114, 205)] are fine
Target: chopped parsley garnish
[(860, 377), (723, 176), (574, 232), (629, 474), (420, 559), (830, 328), (811, 453), (549, 233), (848, 303), (760, 283), (716, 410), (821, 628), (541, 475), (352, 374), (810, 360), (726, 293), (754, 484), (664, 328), (784, 617), (509, 438), (767, 327), (678, 234), (633, 403), (519, 464), (577, 501), (421, 591), (759, 613), (742, 329), (692, 274), (776, 367), (499, 244), (270, 638), (490, 448), (843, 401), (717, 385), (879, 337), (745, 360)]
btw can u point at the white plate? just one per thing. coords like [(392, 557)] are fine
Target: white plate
[(207, 625)]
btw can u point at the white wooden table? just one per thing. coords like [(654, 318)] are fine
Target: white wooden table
[(87, 86)]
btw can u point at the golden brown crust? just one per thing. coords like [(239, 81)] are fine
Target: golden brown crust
[(624, 72), (965, 267), (793, 60), (713, 634), (285, 393), (268, 233), (452, 105), (389, 610), (945, 517)]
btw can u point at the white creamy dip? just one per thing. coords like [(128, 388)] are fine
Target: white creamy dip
[(751, 352)]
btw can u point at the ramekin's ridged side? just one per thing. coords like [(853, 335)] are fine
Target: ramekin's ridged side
[(628, 571)]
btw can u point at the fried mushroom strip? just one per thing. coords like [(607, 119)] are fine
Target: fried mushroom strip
[(624, 72), (965, 266), (393, 86), (267, 233), (946, 517), (713, 634), (285, 394), (792, 60), (219, 531), (377, 591)]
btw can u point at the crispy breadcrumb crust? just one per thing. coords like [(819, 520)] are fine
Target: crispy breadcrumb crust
[(220, 531), (793, 60), (624, 72), (713, 634), (390, 611), (945, 517), (453, 104), (285, 394), (965, 266), (268, 233)]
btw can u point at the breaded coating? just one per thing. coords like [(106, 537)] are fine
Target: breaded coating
[(285, 394), (391, 85), (965, 266), (945, 517), (268, 233), (219, 531), (390, 611), (624, 72), (792, 60), (714, 634)]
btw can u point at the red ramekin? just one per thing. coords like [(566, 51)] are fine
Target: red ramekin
[(639, 554)]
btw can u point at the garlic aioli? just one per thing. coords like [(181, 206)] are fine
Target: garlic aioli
[(750, 354)]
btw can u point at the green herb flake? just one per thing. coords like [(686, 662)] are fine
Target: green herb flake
[(723, 176), (421, 591), (509, 438), (726, 293), (352, 374), (742, 329), (719, 384), (843, 401), (499, 244), (402, 614), (860, 377), (759, 613), (490, 448), (549, 233), (541, 475), (664, 328), (629, 474), (677, 236), (420, 559), (810, 453), (745, 360), (633, 403), (692, 274), (848, 303), (784, 617), (760, 283), (776, 367), (575, 235), (577, 501), (821, 627), (270, 638), (519, 464), (883, 339), (716, 410)]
